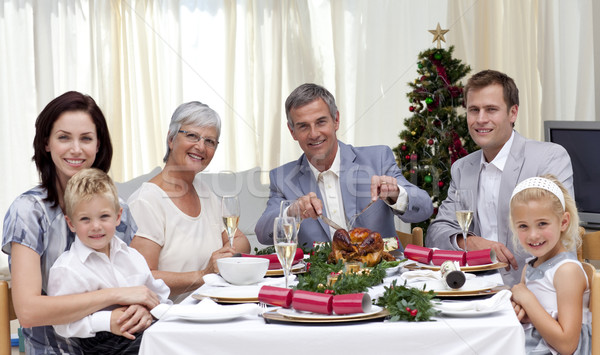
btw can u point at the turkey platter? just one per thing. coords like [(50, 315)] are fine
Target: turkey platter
[(361, 244)]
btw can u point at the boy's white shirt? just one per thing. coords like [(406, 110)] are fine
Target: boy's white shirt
[(82, 269)]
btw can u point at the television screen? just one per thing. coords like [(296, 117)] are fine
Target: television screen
[(581, 139)]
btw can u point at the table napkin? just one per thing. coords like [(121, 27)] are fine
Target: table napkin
[(202, 310), (493, 303), (426, 275), (217, 281)]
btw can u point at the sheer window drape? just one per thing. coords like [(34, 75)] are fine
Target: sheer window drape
[(140, 59), (548, 47)]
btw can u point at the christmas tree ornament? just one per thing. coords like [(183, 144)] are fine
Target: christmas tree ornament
[(429, 101), (430, 141), (411, 108), (413, 133), (419, 106), (438, 35), (428, 179), (407, 157), (403, 147), (437, 56), (441, 184)]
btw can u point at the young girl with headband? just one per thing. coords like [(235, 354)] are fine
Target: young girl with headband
[(553, 296)]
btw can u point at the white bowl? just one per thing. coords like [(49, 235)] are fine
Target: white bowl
[(243, 270)]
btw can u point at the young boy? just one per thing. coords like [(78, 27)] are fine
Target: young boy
[(96, 261)]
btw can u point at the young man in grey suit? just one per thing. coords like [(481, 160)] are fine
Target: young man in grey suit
[(336, 179), (505, 159)]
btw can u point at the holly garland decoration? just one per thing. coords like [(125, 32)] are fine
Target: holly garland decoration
[(318, 270), (403, 303), (436, 135), (408, 304)]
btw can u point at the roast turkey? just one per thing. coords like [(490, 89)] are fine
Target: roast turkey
[(361, 244)]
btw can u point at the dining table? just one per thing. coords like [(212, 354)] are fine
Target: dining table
[(498, 332)]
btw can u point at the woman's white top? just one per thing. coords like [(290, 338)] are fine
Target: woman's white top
[(187, 242)]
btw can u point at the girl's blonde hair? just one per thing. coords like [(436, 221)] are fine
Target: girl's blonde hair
[(569, 237)]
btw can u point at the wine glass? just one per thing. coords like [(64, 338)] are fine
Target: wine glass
[(230, 210), (464, 211), (285, 239), (293, 211)]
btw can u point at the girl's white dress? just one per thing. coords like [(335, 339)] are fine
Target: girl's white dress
[(539, 280)]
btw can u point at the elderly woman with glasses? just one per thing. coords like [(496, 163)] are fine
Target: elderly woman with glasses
[(180, 228)]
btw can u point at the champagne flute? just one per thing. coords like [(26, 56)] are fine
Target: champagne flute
[(230, 210), (285, 239), (464, 211), (293, 211)]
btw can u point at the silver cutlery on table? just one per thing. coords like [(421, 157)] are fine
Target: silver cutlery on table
[(353, 219), (330, 222)]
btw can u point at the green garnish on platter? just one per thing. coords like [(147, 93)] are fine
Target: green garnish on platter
[(265, 251), (316, 279), (271, 250), (388, 264), (403, 303)]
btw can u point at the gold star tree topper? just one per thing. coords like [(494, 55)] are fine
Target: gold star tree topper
[(438, 35)]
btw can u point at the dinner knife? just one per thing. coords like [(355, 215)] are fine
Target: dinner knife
[(397, 253), (330, 222)]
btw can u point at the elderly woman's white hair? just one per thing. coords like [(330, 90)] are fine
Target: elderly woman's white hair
[(193, 113)]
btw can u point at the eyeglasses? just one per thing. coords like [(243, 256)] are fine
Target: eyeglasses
[(195, 138)]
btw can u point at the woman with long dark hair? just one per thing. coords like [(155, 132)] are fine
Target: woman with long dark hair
[(71, 134)]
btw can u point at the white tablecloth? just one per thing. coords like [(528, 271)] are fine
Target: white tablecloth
[(497, 333)]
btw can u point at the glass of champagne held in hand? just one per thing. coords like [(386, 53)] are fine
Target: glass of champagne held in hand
[(285, 240), (230, 210), (464, 211), (293, 210)]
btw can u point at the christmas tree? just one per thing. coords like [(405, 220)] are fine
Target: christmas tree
[(435, 136)]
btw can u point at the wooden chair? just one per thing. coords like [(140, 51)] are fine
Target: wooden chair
[(595, 309), (590, 248), (416, 237), (594, 281), (7, 313)]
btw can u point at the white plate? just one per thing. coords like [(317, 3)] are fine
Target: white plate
[(278, 272), (467, 313), (292, 313), (207, 311), (231, 293), (471, 286), (209, 317)]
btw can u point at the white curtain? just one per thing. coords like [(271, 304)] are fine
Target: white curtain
[(547, 46), (141, 59)]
